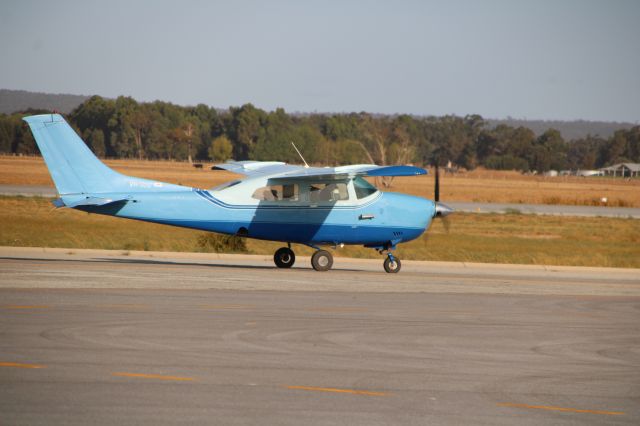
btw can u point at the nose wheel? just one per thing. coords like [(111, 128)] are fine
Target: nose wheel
[(322, 260), (392, 264), (284, 257)]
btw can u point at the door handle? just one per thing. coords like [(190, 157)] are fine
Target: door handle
[(366, 216)]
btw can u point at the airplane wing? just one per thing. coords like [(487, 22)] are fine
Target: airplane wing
[(355, 170), (275, 169), (255, 168)]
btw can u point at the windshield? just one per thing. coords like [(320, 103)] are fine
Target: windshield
[(363, 188)]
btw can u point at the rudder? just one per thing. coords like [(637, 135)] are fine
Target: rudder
[(73, 167)]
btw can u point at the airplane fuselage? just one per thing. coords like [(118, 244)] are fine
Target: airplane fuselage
[(376, 220)]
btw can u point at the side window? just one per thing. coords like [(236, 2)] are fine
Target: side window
[(328, 192), (288, 192), (363, 188)]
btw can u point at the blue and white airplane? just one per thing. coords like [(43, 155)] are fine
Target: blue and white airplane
[(314, 206)]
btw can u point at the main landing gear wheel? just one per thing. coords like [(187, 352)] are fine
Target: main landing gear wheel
[(322, 260), (284, 257), (392, 265)]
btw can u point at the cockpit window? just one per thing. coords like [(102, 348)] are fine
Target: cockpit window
[(363, 188), (288, 192), (323, 192)]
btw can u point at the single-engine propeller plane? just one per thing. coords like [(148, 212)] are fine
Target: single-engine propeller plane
[(314, 206)]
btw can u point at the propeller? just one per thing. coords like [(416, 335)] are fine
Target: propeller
[(442, 210), (436, 191)]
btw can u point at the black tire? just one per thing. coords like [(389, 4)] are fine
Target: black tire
[(322, 260), (284, 257), (392, 267)]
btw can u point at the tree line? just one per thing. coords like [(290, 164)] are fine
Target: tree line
[(125, 128)]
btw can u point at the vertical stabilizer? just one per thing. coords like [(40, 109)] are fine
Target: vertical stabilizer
[(73, 167), (75, 170)]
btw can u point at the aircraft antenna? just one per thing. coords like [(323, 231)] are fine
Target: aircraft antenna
[(306, 166)]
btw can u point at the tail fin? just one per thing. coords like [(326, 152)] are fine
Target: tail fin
[(73, 167)]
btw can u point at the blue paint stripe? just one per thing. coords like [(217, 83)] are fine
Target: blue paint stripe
[(196, 222)]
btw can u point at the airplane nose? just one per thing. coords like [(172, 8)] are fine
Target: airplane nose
[(442, 210)]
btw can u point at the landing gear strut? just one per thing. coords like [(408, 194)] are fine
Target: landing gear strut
[(392, 264), (284, 257), (322, 260)]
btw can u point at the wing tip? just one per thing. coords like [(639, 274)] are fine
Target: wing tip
[(397, 171)]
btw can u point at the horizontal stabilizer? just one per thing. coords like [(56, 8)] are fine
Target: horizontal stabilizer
[(80, 201), (58, 203)]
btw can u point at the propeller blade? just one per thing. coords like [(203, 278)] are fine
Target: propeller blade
[(442, 210), (436, 195), (447, 224)]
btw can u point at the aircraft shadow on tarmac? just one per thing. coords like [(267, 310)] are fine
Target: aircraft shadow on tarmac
[(161, 262)]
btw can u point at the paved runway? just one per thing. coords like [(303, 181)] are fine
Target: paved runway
[(98, 337)]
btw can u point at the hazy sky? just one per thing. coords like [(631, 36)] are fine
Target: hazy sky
[(537, 59)]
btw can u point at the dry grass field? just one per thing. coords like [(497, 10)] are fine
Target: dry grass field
[(478, 185), (510, 238)]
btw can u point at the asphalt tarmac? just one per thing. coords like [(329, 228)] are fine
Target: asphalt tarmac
[(96, 337)]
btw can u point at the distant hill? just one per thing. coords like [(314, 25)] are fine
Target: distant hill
[(20, 100), (570, 129)]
